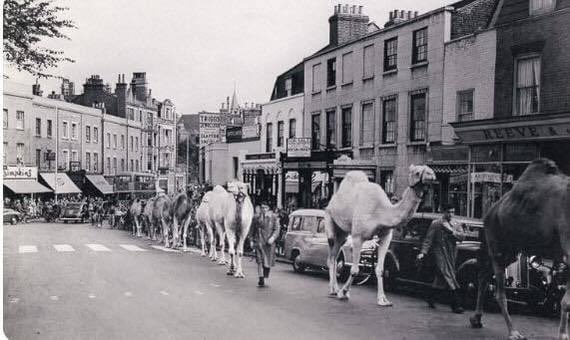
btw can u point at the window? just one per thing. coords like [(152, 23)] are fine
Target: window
[(541, 6), (64, 159), (235, 161), (132, 143), (137, 165), (95, 162), (269, 137), (280, 133), (418, 115), (464, 105), (5, 150), (108, 140), (123, 142), (65, 130), (331, 128), (132, 165), (74, 131), (87, 161), (115, 164), (137, 143), (391, 54), (108, 165), (74, 156), (389, 108), (87, 133), (387, 181), (131, 113), (367, 124), (296, 223), (114, 141), (292, 128), (331, 72), (167, 159), (310, 223), (527, 85), (316, 77), (20, 120), (316, 131), (95, 134), (288, 86), (49, 128), (346, 127), (38, 157), (347, 68), (5, 118), (38, 127), (419, 53), (368, 62), (122, 164)]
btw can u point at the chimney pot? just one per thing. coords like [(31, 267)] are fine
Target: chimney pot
[(415, 14), (409, 15), (402, 14), (391, 16), (345, 9), (119, 78), (360, 9), (353, 9)]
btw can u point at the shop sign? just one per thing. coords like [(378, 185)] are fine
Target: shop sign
[(250, 132), (233, 134), (299, 147), (209, 128), (518, 132), (490, 177), (20, 172)]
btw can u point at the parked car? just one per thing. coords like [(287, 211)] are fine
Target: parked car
[(530, 280), (307, 247), (74, 211), (11, 216)]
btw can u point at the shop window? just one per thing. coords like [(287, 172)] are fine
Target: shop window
[(368, 62), (419, 52), (331, 72), (464, 105), (331, 129), (316, 131), (521, 152), (292, 128), (418, 117), (391, 54), (347, 68), (389, 107), (280, 133), (485, 187), (541, 6), (347, 127), (485, 153), (367, 124), (527, 85)]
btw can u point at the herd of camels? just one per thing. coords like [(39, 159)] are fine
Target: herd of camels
[(532, 218)]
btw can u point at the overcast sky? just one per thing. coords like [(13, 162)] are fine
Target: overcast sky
[(193, 51)]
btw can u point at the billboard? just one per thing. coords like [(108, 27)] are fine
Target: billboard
[(20, 172), (209, 128), (299, 147)]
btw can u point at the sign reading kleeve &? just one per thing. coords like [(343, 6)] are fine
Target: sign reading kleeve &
[(299, 147)]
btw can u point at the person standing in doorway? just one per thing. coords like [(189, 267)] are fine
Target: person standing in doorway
[(264, 233), (441, 241)]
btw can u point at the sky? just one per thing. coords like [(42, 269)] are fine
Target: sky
[(193, 52)]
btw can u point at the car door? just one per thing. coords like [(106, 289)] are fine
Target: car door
[(320, 244), (408, 246), (294, 237), (311, 246)]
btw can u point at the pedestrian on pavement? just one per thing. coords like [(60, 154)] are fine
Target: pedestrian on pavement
[(441, 242), (264, 233)]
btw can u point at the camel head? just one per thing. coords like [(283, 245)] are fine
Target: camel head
[(238, 189), (420, 175)]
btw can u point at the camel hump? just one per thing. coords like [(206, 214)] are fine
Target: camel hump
[(351, 179), (219, 189)]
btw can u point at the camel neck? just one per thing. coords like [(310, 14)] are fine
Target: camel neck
[(409, 204)]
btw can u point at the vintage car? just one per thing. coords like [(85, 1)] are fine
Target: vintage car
[(74, 211), (11, 216), (530, 280)]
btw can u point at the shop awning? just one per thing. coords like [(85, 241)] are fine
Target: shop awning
[(449, 169), (25, 186), (100, 183), (64, 184)]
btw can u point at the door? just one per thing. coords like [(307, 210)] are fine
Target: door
[(309, 230), (320, 245)]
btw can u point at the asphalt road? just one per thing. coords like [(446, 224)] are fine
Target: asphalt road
[(105, 284)]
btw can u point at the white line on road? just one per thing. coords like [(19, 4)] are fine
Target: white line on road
[(54, 298), (131, 247), (97, 247), (197, 292), (195, 251), (27, 249), (63, 247), (214, 285), (165, 249), (164, 293), (91, 296), (14, 300), (128, 294)]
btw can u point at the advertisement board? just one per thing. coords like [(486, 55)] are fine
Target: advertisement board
[(209, 128), (20, 172), (233, 134), (299, 147)]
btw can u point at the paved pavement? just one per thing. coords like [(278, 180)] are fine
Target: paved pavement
[(66, 281)]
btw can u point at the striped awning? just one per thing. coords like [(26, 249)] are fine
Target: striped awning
[(449, 169)]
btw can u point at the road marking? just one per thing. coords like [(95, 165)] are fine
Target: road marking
[(97, 247), (14, 300), (165, 249), (197, 292), (91, 296), (128, 294), (63, 247), (214, 285), (54, 298), (131, 247), (164, 293), (195, 251), (27, 249)]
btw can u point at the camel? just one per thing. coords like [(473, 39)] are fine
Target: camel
[(181, 216), (148, 219), (216, 214), (534, 219), (204, 225), (161, 216), (136, 210), (362, 209)]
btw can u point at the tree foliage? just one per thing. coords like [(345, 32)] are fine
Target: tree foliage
[(26, 24)]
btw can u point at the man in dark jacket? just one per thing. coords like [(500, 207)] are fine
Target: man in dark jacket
[(264, 232), (441, 241)]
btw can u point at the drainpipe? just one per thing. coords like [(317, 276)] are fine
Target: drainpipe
[(56, 149)]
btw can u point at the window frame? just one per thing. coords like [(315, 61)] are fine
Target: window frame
[(317, 83), (518, 58), (38, 127), (87, 134), (346, 127), (413, 128), (280, 133), (5, 119), (362, 140), (95, 134), (316, 133), (387, 57), (459, 113), (292, 128), (268, 137), (416, 47), (49, 128), (347, 70), (331, 135), (18, 120), (392, 123), (73, 131), (88, 161), (368, 64), (331, 72), (65, 129)]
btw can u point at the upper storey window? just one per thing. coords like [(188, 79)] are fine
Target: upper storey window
[(541, 6), (527, 85)]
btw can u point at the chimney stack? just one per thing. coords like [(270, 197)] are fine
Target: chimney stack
[(399, 16), (346, 24)]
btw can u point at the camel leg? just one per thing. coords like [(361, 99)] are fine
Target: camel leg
[(134, 226), (212, 237), (185, 234), (239, 255), (483, 277), (385, 239), (231, 251), (501, 297), (344, 293), (202, 239), (175, 226), (335, 239), (139, 226), (165, 232), (222, 243)]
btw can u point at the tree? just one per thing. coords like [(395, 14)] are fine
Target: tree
[(26, 23), (192, 157)]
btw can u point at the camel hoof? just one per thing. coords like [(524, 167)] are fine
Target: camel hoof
[(384, 303), (239, 275), (343, 295), (221, 263), (230, 273), (515, 335), (564, 337), (475, 321)]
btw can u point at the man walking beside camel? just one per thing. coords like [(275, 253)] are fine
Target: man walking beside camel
[(264, 233)]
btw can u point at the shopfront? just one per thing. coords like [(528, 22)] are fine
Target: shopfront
[(262, 172), (22, 181), (501, 149)]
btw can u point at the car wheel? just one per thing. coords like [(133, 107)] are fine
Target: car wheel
[(13, 220), (298, 267), (342, 270)]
